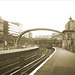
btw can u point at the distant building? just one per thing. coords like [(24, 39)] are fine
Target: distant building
[(28, 35), (57, 39), (56, 36), (1, 27), (9, 32), (42, 36), (1, 32), (15, 28)]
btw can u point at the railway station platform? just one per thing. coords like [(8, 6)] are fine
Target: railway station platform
[(17, 50), (62, 62), (13, 60)]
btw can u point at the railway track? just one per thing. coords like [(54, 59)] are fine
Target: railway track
[(26, 69), (22, 65)]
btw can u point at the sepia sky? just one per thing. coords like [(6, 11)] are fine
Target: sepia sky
[(38, 14)]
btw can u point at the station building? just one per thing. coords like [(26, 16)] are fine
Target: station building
[(69, 32)]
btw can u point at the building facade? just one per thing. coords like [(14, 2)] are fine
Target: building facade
[(9, 32), (14, 28), (69, 32), (1, 32), (1, 26), (70, 25)]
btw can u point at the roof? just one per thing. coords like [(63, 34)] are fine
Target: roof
[(68, 31)]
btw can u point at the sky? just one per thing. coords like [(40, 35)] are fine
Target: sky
[(38, 14)]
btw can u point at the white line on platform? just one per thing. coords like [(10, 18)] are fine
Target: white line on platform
[(33, 72)]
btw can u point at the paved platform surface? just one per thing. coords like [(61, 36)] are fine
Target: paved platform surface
[(17, 50), (61, 63)]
